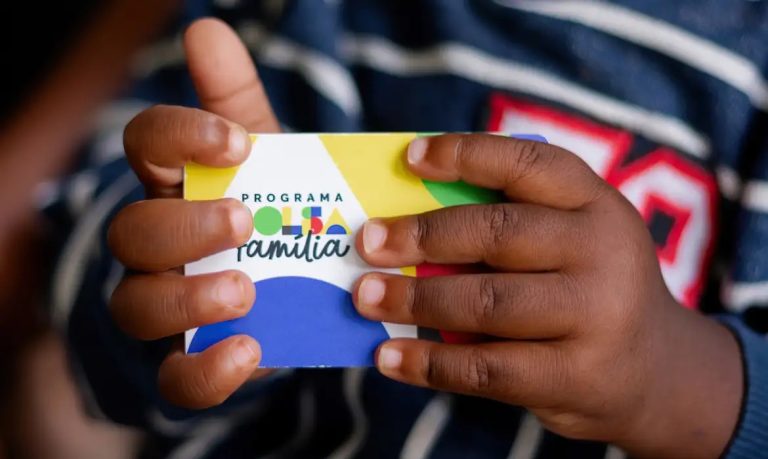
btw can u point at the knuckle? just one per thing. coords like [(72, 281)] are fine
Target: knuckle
[(434, 365), (575, 301), (208, 386), (465, 146), (179, 305), (467, 372), (424, 232), (501, 221), (477, 375), (564, 371), (203, 389), (251, 84), (531, 158), (598, 187), (489, 296), (261, 118), (415, 296)]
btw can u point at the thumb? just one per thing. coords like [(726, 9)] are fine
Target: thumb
[(225, 77)]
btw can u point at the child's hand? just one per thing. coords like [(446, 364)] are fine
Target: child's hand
[(155, 237), (585, 332)]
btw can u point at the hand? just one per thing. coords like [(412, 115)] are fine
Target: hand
[(582, 329), (157, 236)]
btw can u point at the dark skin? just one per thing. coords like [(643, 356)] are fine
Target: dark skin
[(582, 328)]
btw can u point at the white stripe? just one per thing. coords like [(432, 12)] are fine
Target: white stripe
[(325, 75), (613, 452), (185, 427), (158, 422), (756, 196), (208, 433), (353, 393), (333, 81), (739, 296), (69, 271), (527, 439), (728, 182), (204, 437), (699, 53), (427, 428), (79, 192), (476, 65)]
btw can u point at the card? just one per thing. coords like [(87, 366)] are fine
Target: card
[(309, 194)]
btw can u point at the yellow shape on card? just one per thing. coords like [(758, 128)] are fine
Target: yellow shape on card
[(204, 183), (374, 168)]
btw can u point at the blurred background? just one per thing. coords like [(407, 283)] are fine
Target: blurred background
[(63, 61)]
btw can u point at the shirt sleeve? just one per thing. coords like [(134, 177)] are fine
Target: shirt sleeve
[(744, 293), (751, 437)]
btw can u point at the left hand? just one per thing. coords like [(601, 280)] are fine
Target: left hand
[(584, 331)]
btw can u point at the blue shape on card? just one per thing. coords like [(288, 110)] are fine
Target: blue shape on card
[(301, 322), (335, 229), (291, 230), (534, 137)]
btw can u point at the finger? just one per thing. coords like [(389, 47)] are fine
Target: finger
[(160, 140), (144, 238), (155, 306), (515, 237), (518, 306), (224, 76), (525, 374), (525, 170), (208, 378)]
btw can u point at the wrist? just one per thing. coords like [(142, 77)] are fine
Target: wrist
[(696, 391), (749, 439)]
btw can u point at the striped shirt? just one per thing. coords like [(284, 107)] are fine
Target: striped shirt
[(666, 100)]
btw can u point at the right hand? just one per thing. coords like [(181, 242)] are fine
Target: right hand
[(153, 238)]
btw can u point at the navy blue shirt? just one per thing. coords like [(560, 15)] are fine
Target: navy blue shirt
[(666, 100)]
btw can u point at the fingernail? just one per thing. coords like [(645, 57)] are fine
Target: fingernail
[(371, 292), (416, 150), (230, 293), (389, 358), (238, 141), (374, 235), (246, 353), (242, 221)]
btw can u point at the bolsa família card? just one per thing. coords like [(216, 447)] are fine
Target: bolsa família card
[(309, 194)]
